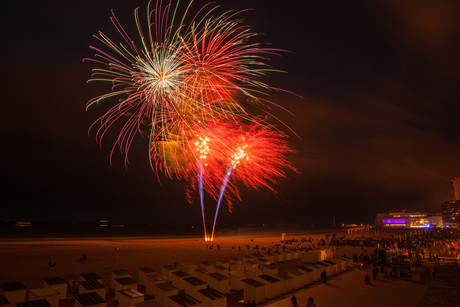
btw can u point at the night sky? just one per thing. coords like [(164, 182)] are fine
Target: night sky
[(377, 123)]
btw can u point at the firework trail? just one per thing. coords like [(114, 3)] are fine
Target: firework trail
[(228, 173), (202, 148), (221, 194)]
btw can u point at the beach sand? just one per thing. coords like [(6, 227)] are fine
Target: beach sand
[(27, 261)]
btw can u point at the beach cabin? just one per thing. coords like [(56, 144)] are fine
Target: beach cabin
[(219, 282), (210, 297), (316, 271), (333, 266), (120, 273), (327, 254), (236, 267), (142, 272), (236, 278), (310, 257), (148, 303), (247, 258), (166, 270), (220, 269), (285, 282), (48, 293), (251, 264), (348, 261), (340, 263), (90, 276), (87, 286), (253, 272), (272, 285), (309, 274), (253, 291), (183, 300), (223, 263), (89, 300), (323, 266), (14, 292), (193, 284), (269, 269), (208, 266), (151, 280), (262, 261), (37, 303), (295, 254), (286, 255), (57, 283), (177, 279), (164, 290), (128, 297), (236, 260), (4, 301), (124, 283), (297, 278), (278, 257), (188, 268), (270, 257), (201, 274)]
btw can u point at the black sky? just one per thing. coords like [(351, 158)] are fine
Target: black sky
[(378, 124)]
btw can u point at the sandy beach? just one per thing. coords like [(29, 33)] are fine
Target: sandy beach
[(27, 261)]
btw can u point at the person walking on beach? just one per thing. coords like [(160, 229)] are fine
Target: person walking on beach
[(427, 272), (311, 303), (294, 301), (323, 276), (435, 269), (367, 280)]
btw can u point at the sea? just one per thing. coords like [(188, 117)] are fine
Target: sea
[(53, 230)]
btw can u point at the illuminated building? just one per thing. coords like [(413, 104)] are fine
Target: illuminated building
[(455, 188), (403, 219), (450, 211)]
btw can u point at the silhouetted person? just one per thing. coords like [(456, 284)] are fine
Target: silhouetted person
[(248, 304), (294, 301), (323, 276), (310, 302), (367, 280), (253, 304)]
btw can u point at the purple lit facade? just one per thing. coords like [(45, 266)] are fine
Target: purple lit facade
[(394, 221)]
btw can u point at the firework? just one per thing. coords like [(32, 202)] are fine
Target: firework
[(238, 155), (185, 81), (183, 74)]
